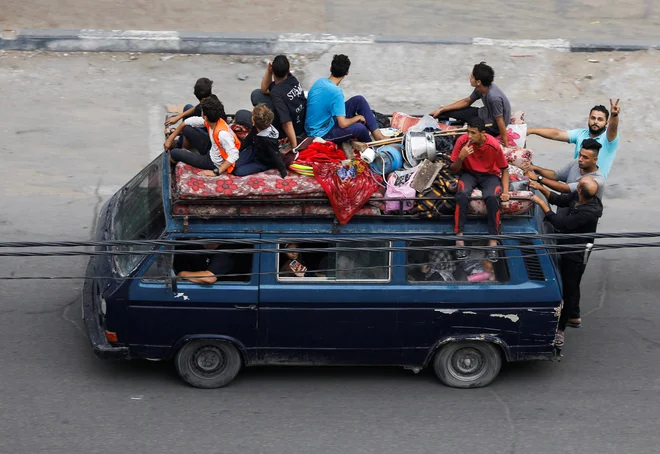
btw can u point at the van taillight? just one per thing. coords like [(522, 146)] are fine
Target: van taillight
[(112, 337)]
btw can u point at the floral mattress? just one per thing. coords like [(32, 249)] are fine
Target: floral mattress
[(189, 185)]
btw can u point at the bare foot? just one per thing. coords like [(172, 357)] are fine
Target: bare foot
[(377, 135)]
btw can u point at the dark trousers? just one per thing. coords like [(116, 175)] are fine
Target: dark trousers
[(491, 188), (571, 276), (196, 160), (197, 137), (357, 105), (466, 114), (247, 163)]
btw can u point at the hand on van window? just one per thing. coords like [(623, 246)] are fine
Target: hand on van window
[(169, 143)]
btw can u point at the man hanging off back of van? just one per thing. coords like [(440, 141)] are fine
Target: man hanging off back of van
[(479, 159)]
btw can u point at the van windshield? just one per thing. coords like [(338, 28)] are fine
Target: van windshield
[(138, 215)]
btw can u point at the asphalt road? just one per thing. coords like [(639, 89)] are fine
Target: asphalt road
[(77, 127)]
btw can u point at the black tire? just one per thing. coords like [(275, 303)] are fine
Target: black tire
[(208, 363), (467, 364)]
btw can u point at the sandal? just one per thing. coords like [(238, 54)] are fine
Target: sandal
[(493, 255), (559, 339), (574, 323)]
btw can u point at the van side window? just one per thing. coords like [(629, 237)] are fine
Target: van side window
[(160, 269), (430, 262), (335, 264), (220, 266)]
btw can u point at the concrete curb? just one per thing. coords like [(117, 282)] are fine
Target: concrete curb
[(264, 44)]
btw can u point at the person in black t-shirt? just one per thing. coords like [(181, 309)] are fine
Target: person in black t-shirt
[(282, 92), (203, 268), (189, 137), (203, 89)]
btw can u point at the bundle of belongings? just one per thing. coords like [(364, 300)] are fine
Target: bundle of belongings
[(411, 171)]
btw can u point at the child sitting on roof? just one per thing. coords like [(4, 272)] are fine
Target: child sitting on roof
[(222, 152), (260, 149)]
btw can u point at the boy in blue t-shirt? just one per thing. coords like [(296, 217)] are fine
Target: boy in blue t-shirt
[(602, 127), (329, 117)]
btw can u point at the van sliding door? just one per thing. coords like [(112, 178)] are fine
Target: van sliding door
[(338, 310)]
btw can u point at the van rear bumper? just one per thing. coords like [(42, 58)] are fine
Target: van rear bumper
[(96, 334)]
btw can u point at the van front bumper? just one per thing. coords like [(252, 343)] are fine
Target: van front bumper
[(96, 334)]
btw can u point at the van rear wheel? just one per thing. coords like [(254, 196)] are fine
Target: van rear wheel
[(467, 364), (208, 363)]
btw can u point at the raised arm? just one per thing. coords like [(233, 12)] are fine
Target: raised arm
[(268, 78), (613, 124), (549, 133)]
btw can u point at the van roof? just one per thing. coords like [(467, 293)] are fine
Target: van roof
[(192, 207)]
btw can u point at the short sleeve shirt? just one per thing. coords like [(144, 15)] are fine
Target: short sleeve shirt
[(488, 158), (571, 175), (289, 104), (495, 104), (325, 101), (606, 154)]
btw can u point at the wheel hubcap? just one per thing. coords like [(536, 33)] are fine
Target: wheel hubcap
[(467, 364), (208, 361)]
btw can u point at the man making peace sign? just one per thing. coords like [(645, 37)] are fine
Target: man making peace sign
[(602, 126)]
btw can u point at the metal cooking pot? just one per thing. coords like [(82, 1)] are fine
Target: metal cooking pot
[(419, 146)]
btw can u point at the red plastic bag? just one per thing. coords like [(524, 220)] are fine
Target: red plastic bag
[(348, 189)]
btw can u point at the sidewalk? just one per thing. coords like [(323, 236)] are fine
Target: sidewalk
[(547, 19), (266, 26)]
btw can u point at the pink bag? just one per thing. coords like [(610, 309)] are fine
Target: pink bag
[(404, 191)]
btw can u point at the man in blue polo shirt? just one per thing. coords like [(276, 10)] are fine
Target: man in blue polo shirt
[(602, 127)]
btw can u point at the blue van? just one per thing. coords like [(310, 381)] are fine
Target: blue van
[(304, 290)]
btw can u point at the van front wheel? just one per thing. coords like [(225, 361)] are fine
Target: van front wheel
[(208, 363), (467, 364)]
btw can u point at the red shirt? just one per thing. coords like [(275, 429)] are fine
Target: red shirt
[(488, 158)]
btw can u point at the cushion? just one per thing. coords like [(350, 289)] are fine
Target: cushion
[(512, 207), (518, 156)]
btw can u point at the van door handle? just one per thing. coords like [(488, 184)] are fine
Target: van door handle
[(245, 307)]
